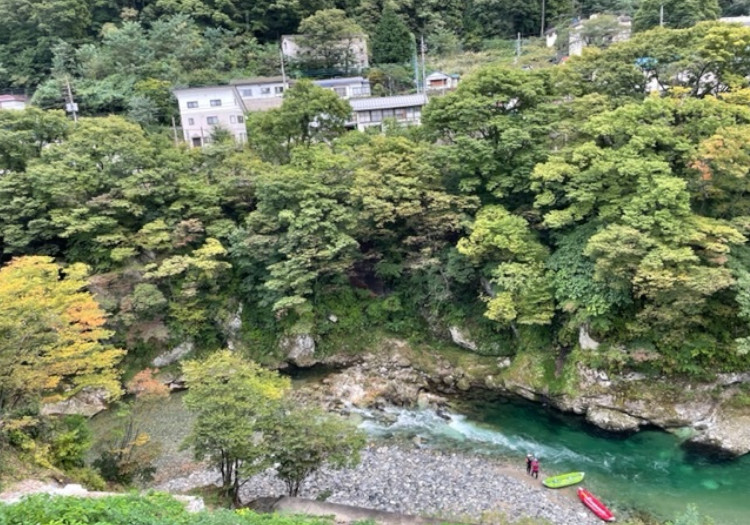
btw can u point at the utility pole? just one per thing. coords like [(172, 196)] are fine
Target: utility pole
[(544, 9), (424, 71), (70, 105), (283, 71), (661, 15), (518, 48)]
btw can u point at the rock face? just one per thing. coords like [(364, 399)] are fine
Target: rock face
[(584, 339), (232, 328), (700, 413), (88, 402), (609, 419), (174, 355), (462, 339), (299, 349)]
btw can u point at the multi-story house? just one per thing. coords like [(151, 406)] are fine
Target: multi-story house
[(203, 110)]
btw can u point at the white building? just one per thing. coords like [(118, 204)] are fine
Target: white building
[(13, 101), (347, 87), (742, 20), (369, 112), (261, 93), (292, 47), (576, 40), (204, 109)]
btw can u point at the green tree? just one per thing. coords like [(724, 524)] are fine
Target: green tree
[(308, 115), (301, 233), (306, 439), (391, 42), (327, 40), (233, 400), (514, 259), (677, 13)]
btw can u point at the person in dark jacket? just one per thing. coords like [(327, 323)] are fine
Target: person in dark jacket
[(529, 457)]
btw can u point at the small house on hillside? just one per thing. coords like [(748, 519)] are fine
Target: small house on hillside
[(352, 52), (13, 101), (439, 81), (404, 109)]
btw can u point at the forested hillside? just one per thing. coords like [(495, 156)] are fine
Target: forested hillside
[(114, 47), (531, 205)]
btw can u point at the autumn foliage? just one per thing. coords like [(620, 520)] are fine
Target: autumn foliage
[(52, 336)]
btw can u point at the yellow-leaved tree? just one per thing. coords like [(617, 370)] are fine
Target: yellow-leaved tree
[(52, 338)]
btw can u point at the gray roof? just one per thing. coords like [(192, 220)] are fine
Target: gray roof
[(327, 82), (401, 101), (257, 80)]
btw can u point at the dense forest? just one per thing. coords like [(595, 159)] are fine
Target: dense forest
[(530, 205), (115, 47)]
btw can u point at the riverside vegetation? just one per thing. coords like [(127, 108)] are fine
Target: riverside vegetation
[(530, 204)]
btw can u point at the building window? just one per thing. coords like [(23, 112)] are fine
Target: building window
[(212, 121), (191, 122), (215, 103), (400, 114), (197, 142), (265, 91), (364, 116), (340, 91), (278, 90), (240, 119), (387, 113), (192, 104), (376, 115), (246, 92)]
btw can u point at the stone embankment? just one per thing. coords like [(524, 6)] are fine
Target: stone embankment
[(422, 482)]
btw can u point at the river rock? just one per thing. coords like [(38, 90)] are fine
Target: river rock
[(726, 431), (299, 349), (88, 402), (612, 419), (462, 339), (174, 355)]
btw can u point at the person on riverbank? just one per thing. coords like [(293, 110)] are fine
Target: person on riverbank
[(529, 457), (535, 468)]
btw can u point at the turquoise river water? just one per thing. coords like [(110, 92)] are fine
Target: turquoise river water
[(649, 470)]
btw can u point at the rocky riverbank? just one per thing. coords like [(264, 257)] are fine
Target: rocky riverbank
[(411, 480)]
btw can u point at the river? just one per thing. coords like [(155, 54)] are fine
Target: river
[(649, 470)]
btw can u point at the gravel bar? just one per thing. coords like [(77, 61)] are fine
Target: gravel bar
[(446, 485)]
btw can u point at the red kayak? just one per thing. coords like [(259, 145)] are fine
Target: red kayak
[(596, 506)]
